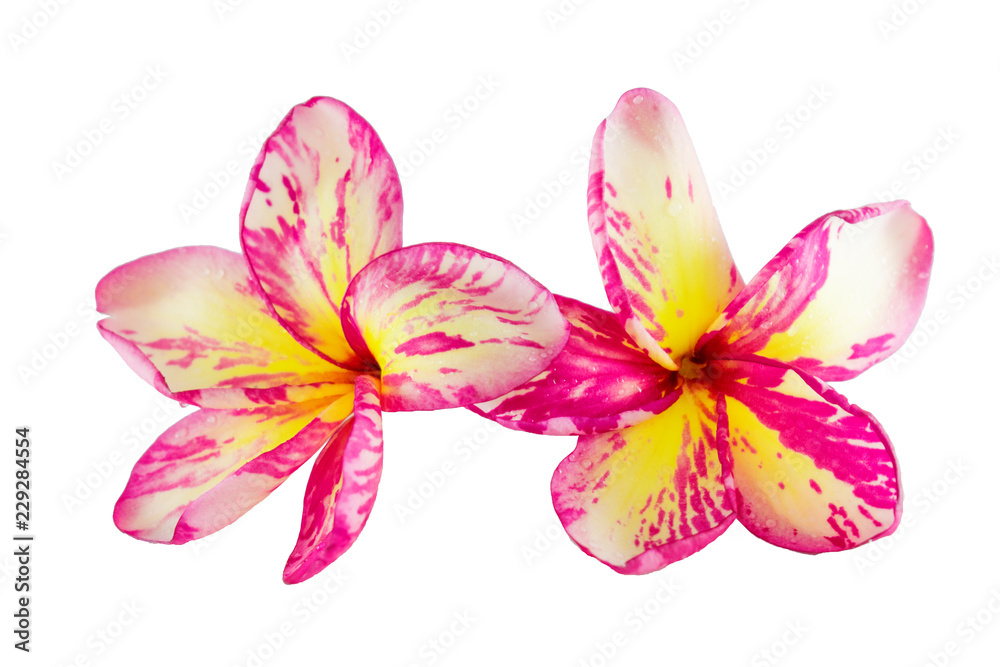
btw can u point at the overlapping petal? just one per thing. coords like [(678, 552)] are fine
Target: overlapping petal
[(646, 496), (755, 432), (599, 382), (250, 398), (323, 200), (450, 325), (192, 323), (666, 266), (288, 349), (811, 472), (843, 295), (341, 488), (212, 466)]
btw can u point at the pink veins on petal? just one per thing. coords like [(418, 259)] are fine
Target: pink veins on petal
[(298, 345), (432, 343), (736, 419)]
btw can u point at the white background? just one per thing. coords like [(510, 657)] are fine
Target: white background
[(486, 545)]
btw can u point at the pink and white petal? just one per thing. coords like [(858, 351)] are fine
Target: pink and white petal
[(667, 268), (843, 295), (236, 399), (192, 319), (811, 472), (212, 466), (340, 382), (450, 325), (649, 495), (323, 200), (341, 489), (599, 382)]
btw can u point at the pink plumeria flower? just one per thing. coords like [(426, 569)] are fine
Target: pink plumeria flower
[(298, 345), (702, 399)]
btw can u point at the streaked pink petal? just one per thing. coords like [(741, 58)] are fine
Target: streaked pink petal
[(323, 200), (212, 466), (649, 495), (666, 266), (811, 472), (450, 325), (599, 382), (843, 295), (249, 398), (191, 322), (341, 382), (342, 487)]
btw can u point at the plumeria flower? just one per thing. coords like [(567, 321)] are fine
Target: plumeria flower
[(701, 399), (298, 345)]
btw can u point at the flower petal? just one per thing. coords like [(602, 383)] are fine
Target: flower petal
[(811, 472), (191, 322), (599, 382), (450, 325), (666, 266), (644, 497), (841, 296), (229, 398), (212, 466), (249, 398), (342, 487), (323, 200)]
